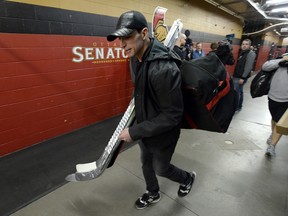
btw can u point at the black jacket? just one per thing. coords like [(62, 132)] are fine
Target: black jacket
[(179, 52), (242, 68), (158, 96)]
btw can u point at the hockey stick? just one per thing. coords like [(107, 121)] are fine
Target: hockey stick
[(89, 171), (173, 33)]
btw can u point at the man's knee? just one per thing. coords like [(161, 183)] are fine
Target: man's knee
[(163, 170)]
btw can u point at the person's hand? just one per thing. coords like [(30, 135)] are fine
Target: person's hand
[(125, 136), (285, 57), (241, 81)]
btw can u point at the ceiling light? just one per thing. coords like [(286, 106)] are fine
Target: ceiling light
[(257, 7), (284, 30), (275, 2), (282, 9)]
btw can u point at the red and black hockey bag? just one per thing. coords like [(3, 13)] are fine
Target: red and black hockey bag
[(209, 97)]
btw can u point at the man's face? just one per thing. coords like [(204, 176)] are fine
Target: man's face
[(183, 41), (245, 45), (199, 46), (133, 44)]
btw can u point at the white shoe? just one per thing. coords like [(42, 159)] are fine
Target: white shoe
[(270, 152), (269, 140)]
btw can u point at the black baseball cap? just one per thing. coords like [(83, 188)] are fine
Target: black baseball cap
[(127, 23)]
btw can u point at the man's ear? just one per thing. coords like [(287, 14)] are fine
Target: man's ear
[(145, 33)]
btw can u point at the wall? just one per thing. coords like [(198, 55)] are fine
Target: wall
[(44, 93), (285, 41), (271, 47)]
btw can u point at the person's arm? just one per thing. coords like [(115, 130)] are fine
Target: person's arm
[(194, 55), (271, 64), (249, 64), (203, 53), (166, 83)]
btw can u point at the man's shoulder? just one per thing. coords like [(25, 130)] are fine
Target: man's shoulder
[(251, 52), (162, 53), (176, 47)]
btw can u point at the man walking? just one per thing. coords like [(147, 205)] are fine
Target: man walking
[(158, 105)]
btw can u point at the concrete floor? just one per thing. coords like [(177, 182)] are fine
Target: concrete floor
[(233, 176)]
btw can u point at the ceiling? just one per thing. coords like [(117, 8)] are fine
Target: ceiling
[(258, 16)]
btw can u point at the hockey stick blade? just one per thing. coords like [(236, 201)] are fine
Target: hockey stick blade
[(173, 33), (89, 171)]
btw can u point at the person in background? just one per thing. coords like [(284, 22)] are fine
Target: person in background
[(193, 46), (225, 52), (179, 46), (277, 97), (198, 51), (213, 47), (243, 69), (158, 106), (188, 48)]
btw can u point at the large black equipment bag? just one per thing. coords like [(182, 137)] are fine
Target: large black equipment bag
[(260, 84), (209, 97)]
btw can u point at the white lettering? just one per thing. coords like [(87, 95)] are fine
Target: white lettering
[(75, 51), (99, 53), (118, 52), (123, 54), (89, 54), (110, 53)]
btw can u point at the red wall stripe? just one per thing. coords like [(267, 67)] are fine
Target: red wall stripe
[(44, 94)]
